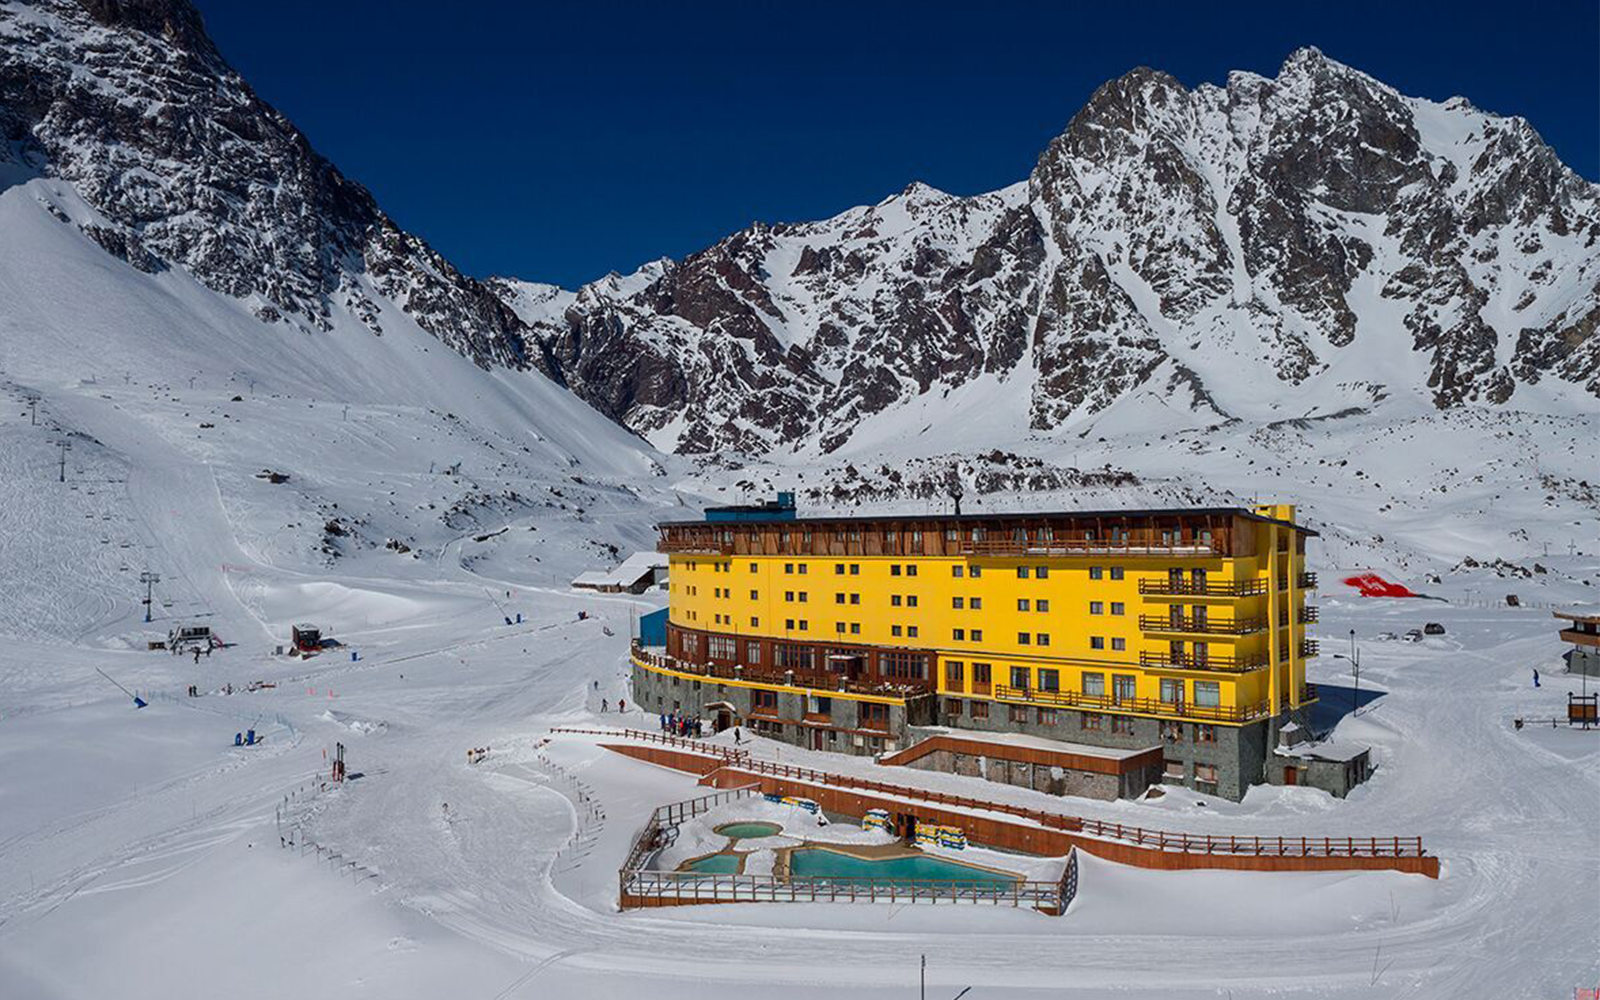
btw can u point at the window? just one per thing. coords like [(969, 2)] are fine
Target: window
[(1174, 770), (755, 622), (1022, 572), (1049, 680), (1041, 605), (1097, 607), (1022, 604), (1204, 733), (976, 635), (1045, 716), (1091, 720), (838, 569), (838, 598), (788, 568), (752, 650), (766, 699), (980, 710), (957, 571), (894, 570), (819, 706), (953, 671), (1016, 713), (1122, 725), (1116, 572), (721, 648), (975, 603), (1095, 572), (1118, 608), (791, 656), (911, 631), (755, 595), (1041, 639), (958, 634), (754, 568), (1041, 572), (874, 715), (952, 707), (1097, 642), (803, 595), (855, 598), (788, 623), (1205, 778), (788, 595), (894, 630), (804, 625), (911, 569), (1094, 685), (1123, 687), (1172, 690), (894, 600), (1207, 693), (802, 569), (912, 666), (1023, 638), (855, 569), (911, 600), (1019, 678), (974, 571), (1119, 644), (1172, 732)]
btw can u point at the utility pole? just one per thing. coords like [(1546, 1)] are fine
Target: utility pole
[(33, 411), (149, 580), (65, 447)]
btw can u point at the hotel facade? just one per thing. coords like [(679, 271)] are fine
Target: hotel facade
[(1182, 631)]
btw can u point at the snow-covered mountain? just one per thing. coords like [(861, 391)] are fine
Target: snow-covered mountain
[(1275, 247)]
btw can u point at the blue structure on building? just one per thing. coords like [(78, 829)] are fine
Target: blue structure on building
[(653, 628), (781, 509)]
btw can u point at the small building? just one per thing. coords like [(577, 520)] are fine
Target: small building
[(1055, 767), (637, 574), (1584, 634), (1335, 766)]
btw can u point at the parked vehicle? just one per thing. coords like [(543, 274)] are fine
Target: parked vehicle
[(1386, 637), (1433, 628), (1414, 635)]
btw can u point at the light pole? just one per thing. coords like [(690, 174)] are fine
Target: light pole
[(1355, 666)]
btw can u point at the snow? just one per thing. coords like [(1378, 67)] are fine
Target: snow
[(140, 852)]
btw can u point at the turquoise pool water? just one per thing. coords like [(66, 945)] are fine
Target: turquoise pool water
[(715, 864), (821, 862), (737, 830)]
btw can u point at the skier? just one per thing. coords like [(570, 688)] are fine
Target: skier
[(603, 705), (622, 704), (1535, 676), (738, 737), (197, 656)]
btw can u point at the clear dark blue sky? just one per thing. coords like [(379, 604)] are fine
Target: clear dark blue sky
[(560, 141)]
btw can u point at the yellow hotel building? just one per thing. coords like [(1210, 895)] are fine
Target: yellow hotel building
[(1128, 630)]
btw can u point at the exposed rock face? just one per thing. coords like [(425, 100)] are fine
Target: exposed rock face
[(1270, 248), (129, 101), (1228, 248)]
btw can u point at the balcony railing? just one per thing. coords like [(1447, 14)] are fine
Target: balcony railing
[(1201, 626), (816, 680), (1090, 547), (1309, 648), (1145, 706), (1189, 661), (1308, 581), (1157, 587)]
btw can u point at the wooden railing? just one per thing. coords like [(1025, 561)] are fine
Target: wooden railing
[(1192, 661), (814, 680), (1086, 547), (1139, 706), (1157, 587), (1197, 625), (728, 754)]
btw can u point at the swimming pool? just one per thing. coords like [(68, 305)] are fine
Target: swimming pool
[(819, 862), (714, 864), (748, 830)]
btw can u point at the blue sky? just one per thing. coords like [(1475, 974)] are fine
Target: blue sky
[(559, 142)]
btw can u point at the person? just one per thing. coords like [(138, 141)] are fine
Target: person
[(622, 704), (604, 705), (1535, 676), (738, 737), (699, 727), (663, 722), (208, 652), (197, 656)]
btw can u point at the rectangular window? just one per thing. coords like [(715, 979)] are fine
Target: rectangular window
[(904, 666), (1022, 572), (1049, 679), (894, 600), (1095, 572), (1205, 778), (894, 630), (1041, 572), (788, 568), (976, 635), (721, 648), (1172, 732), (855, 598), (1019, 678), (974, 571), (957, 571), (819, 706), (838, 598), (958, 634), (975, 603), (792, 656), (980, 673), (855, 569), (754, 568), (1091, 720), (1041, 639), (911, 600), (1122, 725), (953, 674), (1097, 642), (911, 631), (1097, 607), (1046, 717), (1118, 608), (803, 595), (1119, 644), (766, 699), (1116, 572), (1022, 604), (1172, 690), (1041, 605), (804, 625), (1016, 713), (802, 569), (911, 569), (1174, 771), (1207, 693), (1023, 638), (980, 710), (788, 595), (752, 650), (1123, 687), (952, 707), (894, 569), (855, 628), (838, 569), (1205, 734), (1094, 684)]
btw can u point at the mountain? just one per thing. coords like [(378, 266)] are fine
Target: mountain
[(1272, 248)]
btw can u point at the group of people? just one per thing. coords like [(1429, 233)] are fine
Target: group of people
[(675, 725), (476, 754), (194, 691), (605, 705)]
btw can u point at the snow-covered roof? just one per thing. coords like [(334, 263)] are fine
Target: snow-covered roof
[(628, 573), (1038, 743), (1337, 751)]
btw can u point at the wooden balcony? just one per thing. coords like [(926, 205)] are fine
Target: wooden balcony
[(1308, 581), (1196, 625), (1579, 637), (1189, 661), (1156, 587), (1132, 547), (811, 680), (1145, 706)]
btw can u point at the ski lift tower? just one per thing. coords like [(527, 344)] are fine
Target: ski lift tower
[(65, 447), (149, 580)]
